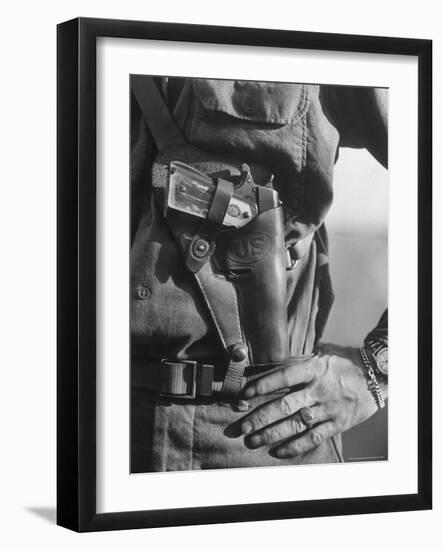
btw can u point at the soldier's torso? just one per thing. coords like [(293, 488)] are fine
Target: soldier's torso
[(282, 127)]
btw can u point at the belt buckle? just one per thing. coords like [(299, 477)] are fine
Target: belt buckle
[(166, 390)]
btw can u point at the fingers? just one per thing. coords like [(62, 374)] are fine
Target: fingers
[(288, 427), (282, 378), (308, 441), (280, 408)]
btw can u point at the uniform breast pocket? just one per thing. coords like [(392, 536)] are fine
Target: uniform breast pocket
[(260, 123), (258, 102)]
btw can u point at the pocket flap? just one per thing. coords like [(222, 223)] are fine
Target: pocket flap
[(270, 102)]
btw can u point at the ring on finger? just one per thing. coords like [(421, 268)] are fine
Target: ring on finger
[(307, 416)]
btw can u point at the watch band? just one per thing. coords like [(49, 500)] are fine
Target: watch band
[(378, 352), (373, 384)]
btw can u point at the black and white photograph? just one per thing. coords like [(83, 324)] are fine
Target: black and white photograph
[(258, 273)]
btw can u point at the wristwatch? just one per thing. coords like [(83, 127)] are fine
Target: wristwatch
[(378, 352)]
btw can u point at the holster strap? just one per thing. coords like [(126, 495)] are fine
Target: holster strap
[(202, 246), (238, 362)]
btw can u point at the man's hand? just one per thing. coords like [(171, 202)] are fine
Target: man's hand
[(333, 385)]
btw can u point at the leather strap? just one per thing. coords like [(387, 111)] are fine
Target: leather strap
[(202, 245), (233, 381), (221, 300), (156, 113), (218, 208)]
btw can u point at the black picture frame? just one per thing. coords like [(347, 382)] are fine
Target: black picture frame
[(76, 372)]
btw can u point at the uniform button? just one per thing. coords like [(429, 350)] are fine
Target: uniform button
[(249, 106), (200, 248), (143, 292), (239, 353)]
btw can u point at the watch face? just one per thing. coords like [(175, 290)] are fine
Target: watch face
[(382, 361)]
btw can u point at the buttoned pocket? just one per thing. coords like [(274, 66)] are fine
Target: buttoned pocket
[(265, 102)]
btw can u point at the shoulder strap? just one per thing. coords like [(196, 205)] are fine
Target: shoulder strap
[(156, 113)]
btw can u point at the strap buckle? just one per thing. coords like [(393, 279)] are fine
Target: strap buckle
[(185, 379), (291, 259), (296, 251), (179, 379)]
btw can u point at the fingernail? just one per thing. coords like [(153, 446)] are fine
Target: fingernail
[(255, 441), (249, 392), (281, 453), (246, 428)]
